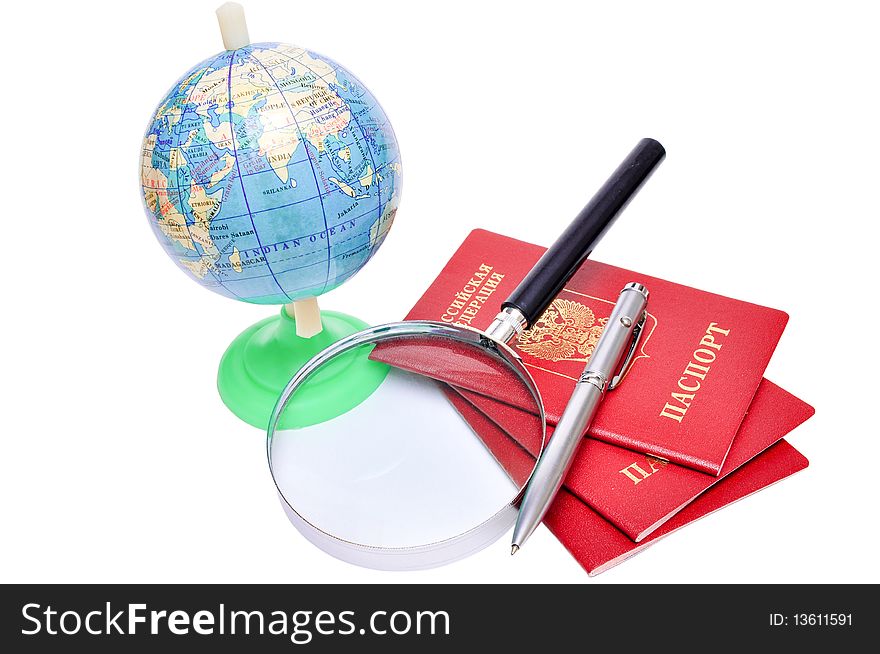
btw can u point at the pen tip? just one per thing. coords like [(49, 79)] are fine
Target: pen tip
[(514, 549)]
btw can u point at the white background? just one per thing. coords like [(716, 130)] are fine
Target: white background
[(121, 464)]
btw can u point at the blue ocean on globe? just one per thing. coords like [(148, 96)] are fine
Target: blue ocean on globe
[(270, 174)]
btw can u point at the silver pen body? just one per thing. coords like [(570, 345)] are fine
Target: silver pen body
[(604, 366), (556, 460)]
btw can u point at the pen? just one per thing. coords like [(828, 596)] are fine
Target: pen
[(605, 369)]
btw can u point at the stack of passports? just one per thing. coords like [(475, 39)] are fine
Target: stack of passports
[(693, 426)]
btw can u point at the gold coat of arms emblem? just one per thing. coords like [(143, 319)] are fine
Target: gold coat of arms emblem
[(566, 331)]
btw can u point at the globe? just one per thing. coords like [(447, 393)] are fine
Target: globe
[(270, 174)]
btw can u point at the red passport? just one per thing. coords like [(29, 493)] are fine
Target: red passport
[(596, 543), (638, 493), (698, 366), (598, 546)]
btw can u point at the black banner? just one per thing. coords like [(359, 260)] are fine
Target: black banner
[(428, 618)]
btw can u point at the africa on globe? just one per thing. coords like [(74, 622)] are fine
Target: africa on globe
[(270, 173)]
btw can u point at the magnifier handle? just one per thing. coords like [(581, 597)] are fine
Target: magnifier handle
[(566, 255)]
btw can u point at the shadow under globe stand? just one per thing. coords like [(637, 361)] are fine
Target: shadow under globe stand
[(271, 175)]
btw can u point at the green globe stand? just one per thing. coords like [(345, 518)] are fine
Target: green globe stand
[(261, 360)]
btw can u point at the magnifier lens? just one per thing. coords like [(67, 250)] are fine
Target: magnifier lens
[(403, 470)]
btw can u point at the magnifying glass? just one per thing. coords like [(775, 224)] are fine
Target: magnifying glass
[(401, 481)]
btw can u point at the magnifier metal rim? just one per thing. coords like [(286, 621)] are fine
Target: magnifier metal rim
[(416, 556)]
